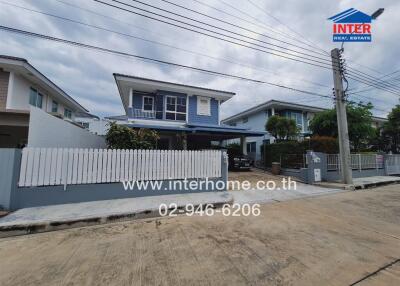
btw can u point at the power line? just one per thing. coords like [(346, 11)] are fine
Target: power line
[(101, 15), (361, 80), (312, 57), (371, 78), (237, 26), (368, 89), (226, 30), (152, 60), (254, 18), (116, 32), (262, 26), (325, 66), (374, 83), (315, 46), (147, 11), (282, 23), (357, 72), (369, 83), (147, 40)]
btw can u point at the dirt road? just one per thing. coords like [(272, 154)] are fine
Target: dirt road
[(337, 239)]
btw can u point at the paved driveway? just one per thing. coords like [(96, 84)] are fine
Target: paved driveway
[(337, 239), (253, 176)]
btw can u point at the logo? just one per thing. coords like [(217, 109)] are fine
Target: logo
[(351, 26)]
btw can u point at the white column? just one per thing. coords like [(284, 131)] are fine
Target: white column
[(272, 111), (130, 98), (243, 145), (184, 141)]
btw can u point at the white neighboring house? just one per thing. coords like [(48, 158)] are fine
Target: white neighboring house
[(93, 123), (256, 117), (22, 86)]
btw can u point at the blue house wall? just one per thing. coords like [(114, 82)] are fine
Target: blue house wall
[(192, 116), (203, 119)]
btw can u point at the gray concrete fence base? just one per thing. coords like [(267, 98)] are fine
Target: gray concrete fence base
[(12, 197)]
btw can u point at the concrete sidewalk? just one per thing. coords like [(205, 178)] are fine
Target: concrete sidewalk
[(266, 196), (362, 183), (56, 217)]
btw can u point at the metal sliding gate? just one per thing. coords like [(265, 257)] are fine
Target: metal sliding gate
[(392, 163)]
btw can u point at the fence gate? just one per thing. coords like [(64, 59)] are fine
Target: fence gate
[(393, 164)]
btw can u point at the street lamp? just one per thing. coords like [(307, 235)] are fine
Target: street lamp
[(377, 13), (374, 16)]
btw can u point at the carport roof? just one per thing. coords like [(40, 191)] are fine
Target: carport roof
[(202, 128)]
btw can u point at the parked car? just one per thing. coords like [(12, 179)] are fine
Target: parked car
[(239, 162)]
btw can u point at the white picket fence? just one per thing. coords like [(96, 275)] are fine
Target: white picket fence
[(70, 166)]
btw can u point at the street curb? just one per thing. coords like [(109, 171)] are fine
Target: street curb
[(25, 229), (374, 185), (358, 186)]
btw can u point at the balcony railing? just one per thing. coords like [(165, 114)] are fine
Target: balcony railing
[(146, 114)]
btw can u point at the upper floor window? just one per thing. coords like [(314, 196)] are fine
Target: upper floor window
[(35, 98), (245, 119), (298, 117), (67, 113), (148, 103), (175, 108), (54, 106), (203, 106)]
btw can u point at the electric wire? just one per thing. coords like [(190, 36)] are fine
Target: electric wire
[(152, 41), (152, 60), (261, 48)]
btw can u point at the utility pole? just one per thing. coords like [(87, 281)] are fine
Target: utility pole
[(344, 142)]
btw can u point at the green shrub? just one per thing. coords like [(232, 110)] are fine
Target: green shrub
[(123, 137), (234, 149), (324, 144)]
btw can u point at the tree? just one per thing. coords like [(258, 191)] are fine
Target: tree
[(359, 120), (281, 128), (123, 137), (391, 129)]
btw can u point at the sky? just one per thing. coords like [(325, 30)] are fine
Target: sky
[(87, 75)]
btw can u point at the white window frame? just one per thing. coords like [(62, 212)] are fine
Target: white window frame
[(38, 95), (67, 113), (152, 105), (295, 117), (53, 102), (199, 111), (175, 111)]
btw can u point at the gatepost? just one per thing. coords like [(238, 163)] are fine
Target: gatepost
[(316, 167)]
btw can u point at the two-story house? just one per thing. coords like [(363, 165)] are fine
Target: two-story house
[(22, 86), (185, 117), (256, 117)]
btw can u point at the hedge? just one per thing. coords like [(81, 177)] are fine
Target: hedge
[(324, 144)]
